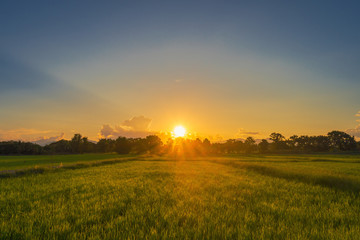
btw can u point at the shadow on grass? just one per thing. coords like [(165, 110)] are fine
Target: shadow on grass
[(39, 170), (341, 183), (333, 160)]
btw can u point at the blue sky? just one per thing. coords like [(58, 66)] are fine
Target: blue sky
[(218, 67)]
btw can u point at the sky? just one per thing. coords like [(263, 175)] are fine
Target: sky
[(222, 69)]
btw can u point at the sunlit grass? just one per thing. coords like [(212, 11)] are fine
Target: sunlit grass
[(200, 198), (23, 162)]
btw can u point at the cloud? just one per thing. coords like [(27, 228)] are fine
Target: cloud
[(132, 128), (140, 123), (354, 131), (26, 134), (242, 132), (106, 131), (47, 140), (218, 138)]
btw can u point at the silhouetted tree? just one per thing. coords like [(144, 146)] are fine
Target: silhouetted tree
[(122, 145), (61, 146), (249, 145), (76, 143), (292, 142), (105, 145), (229, 146), (335, 140), (278, 141), (19, 147), (341, 141), (233, 146), (320, 143), (263, 146), (276, 137), (302, 143), (153, 144)]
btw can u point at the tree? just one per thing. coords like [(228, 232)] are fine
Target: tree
[(153, 143), (61, 146), (249, 145), (302, 143), (320, 143), (76, 143), (122, 145), (263, 146), (18, 147), (293, 141), (206, 146), (341, 141), (86, 145), (229, 146), (278, 141), (105, 145), (276, 137)]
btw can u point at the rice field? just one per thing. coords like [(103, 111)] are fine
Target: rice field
[(230, 197)]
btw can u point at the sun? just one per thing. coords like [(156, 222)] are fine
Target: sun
[(179, 131)]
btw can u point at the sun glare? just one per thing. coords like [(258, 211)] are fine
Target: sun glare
[(179, 131)]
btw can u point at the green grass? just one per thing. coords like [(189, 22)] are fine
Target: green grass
[(24, 162), (235, 197)]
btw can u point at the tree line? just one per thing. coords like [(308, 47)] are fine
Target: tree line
[(335, 141)]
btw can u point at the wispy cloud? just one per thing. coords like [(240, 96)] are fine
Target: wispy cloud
[(134, 127), (354, 131), (47, 140), (243, 133), (28, 134)]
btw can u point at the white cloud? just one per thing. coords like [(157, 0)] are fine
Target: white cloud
[(132, 128), (140, 123)]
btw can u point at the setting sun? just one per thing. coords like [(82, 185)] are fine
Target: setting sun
[(179, 131)]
